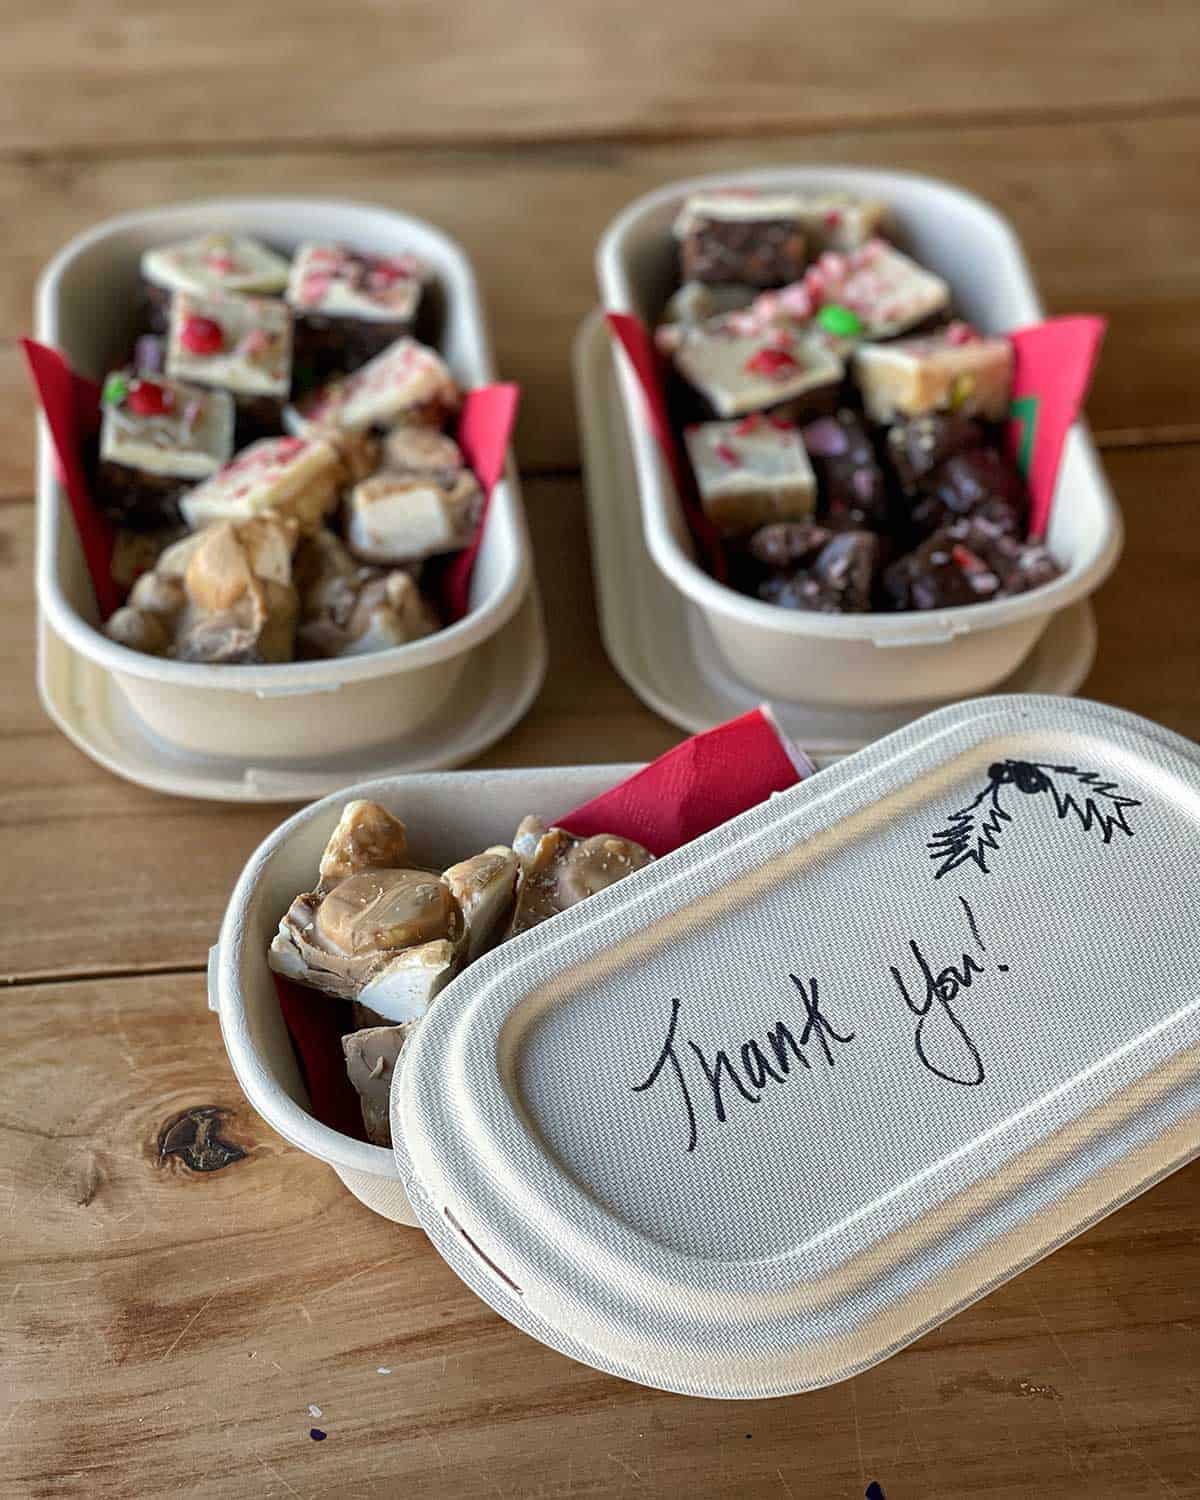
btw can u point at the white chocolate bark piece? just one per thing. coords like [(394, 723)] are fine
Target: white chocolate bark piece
[(367, 837), (738, 373), (558, 869), (371, 1057), (954, 369), (830, 221), (751, 472), (216, 263), (336, 282), (485, 887), (408, 382), (886, 290), (392, 518), (697, 301), (292, 476), (242, 344), (160, 426), (389, 939)]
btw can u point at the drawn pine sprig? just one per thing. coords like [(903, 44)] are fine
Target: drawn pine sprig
[(972, 833)]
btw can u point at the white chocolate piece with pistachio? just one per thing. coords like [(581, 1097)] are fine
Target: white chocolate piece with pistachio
[(953, 370), (215, 263), (398, 518), (289, 476), (558, 869), (751, 472), (407, 383)]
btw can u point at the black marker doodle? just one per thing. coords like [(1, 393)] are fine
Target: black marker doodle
[(974, 831)]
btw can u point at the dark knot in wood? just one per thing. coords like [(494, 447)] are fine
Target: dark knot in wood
[(194, 1136)]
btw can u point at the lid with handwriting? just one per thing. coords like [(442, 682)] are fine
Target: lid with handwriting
[(753, 1119)]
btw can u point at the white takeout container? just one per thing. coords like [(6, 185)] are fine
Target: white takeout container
[(449, 816), (869, 660), (758, 1116), (87, 304)]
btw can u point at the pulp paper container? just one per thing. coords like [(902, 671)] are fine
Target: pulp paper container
[(449, 817), (87, 302), (866, 661)]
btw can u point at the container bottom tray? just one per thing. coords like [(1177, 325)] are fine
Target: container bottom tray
[(660, 643), (500, 681)]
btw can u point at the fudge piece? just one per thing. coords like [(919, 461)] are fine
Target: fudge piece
[(982, 482), (222, 595), (741, 236), (955, 370), (840, 579), (915, 449), (782, 366), (485, 887), (387, 939), (348, 609), (407, 383), (211, 263), (395, 518), (241, 344), (558, 869), (750, 472), (298, 477), (371, 1058), (157, 437), (349, 307), (853, 488)]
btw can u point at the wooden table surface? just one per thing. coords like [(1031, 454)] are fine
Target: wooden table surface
[(164, 1330)]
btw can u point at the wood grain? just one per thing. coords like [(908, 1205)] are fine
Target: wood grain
[(1107, 213), (152, 76), (165, 1330)]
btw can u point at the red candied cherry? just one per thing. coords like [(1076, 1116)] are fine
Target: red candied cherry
[(149, 399), (727, 455), (200, 335), (770, 362)]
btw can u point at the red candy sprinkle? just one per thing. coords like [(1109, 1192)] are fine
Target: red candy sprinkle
[(967, 560), (776, 419), (771, 363), (832, 219), (201, 335), (219, 262), (960, 333), (149, 399), (727, 455), (749, 424)]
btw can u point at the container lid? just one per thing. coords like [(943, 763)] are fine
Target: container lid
[(753, 1119)]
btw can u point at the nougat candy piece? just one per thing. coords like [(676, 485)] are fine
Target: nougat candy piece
[(917, 448), (398, 518), (239, 344), (347, 608), (840, 579), (981, 482), (207, 264), (157, 438), (371, 1057), (348, 306), (740, 236), (559, 869), (290, 476), (953, 370), (884, 290), (750, 472), (408, 383), (781, 366), (852, 485)]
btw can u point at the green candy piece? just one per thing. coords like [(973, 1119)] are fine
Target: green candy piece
[(839, 320), (116, 388)]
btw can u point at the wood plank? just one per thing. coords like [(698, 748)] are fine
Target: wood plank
[(139, 880), (149, 76), (166, 1329), (112, 854), (1124, 194)]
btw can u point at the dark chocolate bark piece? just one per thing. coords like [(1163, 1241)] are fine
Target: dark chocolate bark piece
[(943, 572), (852, 489), (785, 544), (840, 580), (980, 482), (917, 447)]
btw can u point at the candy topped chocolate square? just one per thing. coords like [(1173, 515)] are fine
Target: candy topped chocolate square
[(292, 476), (407, 383), (954, 369), (739, 235), (215, 263), (881, 289), (751, 472), (163, 427), (739, 372), (339, 283), (243, 344)]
